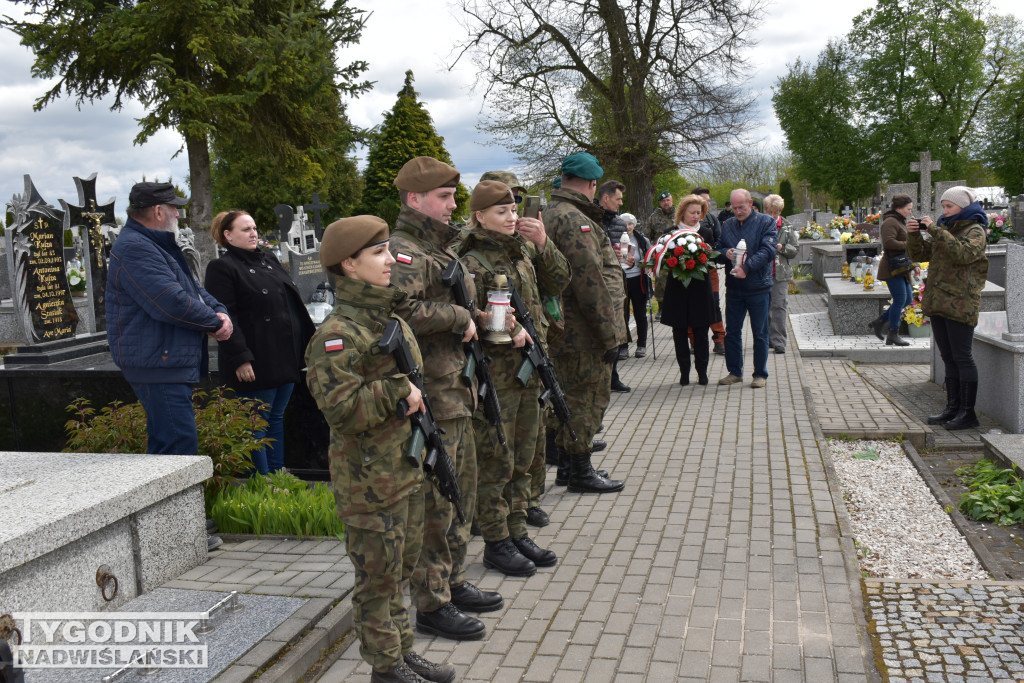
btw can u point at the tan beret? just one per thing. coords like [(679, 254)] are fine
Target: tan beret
[(507, 177), (487, 193), (344, 237), (424, 174)]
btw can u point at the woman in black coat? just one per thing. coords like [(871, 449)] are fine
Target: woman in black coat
[(263, 358), (693, 306)]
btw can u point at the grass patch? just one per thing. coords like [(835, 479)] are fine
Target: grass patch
[(277, 503)]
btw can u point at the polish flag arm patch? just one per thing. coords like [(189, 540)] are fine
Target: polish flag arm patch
[(403, 258), (584, 228), (334, 345)]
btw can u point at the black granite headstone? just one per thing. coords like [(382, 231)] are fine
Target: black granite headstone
[(307, 273), (90, 217)]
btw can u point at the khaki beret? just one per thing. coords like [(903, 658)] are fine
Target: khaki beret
[(344, 237), (487, 193), (507, 177), (424, 174)]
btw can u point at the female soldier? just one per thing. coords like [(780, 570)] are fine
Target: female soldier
[(492, 247), (957, 271), (376, 490)]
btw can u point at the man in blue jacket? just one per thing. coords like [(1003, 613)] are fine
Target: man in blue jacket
[(748, 287), (158, 318)]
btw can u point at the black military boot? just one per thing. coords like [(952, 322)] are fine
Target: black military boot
[(952, 403), (539, 556), (879, 324), (449, 622), (583, 478), (562, 473), (504, 556), (437, 673), (893, 339), (551, 447), (469, 598), (965, 417), (535, 516), (400, 674), (599, 445)]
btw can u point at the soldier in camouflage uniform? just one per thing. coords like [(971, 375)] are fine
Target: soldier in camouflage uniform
[(493, 247), (957, 270), (662, 220), (594, 326), (378, 493), (420, 245), (534, 233)]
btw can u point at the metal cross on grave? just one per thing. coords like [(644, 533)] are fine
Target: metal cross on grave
[(316, 207), (925, 168), (91, 216)]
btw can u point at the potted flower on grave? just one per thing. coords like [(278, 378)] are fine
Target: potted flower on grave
[(76, 277), (999, 226), (812, 231), (914, 315), (873, 218)]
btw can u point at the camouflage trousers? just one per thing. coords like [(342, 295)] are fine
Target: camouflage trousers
[(506, 469), (587, 382), (383, 561), (443, 556), (538, 468)]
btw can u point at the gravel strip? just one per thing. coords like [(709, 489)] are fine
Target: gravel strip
[(900, 529)]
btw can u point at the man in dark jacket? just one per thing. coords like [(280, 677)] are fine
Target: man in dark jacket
[(609, 198), (158, 318), (748, 285)]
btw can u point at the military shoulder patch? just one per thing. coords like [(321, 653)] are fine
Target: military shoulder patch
[(403, 258), (584, 228), (334, 345)]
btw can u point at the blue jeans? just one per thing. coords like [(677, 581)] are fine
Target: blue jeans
[(901, 292), (170, 418), (271, 458), (738, 305)]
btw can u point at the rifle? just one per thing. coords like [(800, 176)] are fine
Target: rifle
[(535, 357), (476, 362), (425, 432)]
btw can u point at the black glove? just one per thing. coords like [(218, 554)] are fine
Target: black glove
[(611, 355)]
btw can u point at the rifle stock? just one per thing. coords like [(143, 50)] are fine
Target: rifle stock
[(425, 433)]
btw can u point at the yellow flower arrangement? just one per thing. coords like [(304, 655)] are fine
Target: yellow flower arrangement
[(813, 231), (913, 313), (841, 223)]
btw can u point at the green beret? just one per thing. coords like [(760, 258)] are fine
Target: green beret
[(344, 237), (424, 174), (487, 193), (507, 177), (665, 193), (557, 182), (582, 165)]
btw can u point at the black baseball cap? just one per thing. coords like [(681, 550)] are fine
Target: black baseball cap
[(154, 194)]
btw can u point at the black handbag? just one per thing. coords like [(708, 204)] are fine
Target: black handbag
[(899, 264)]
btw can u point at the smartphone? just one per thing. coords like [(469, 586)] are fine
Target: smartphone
[(532, 207)]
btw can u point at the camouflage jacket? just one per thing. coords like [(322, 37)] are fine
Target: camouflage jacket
[(593, 301), (485, 252), (957, 269), (419, 244), (659, 223), (357, 390)]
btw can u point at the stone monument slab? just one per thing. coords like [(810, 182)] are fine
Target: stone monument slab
[(90, 217)]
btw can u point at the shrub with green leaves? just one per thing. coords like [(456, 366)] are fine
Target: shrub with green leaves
[(225, 423), (277, 503), (995, 494)]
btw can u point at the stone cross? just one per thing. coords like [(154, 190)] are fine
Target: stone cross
[(807, 197), (847, 212), (925, 168), (92, 217), (316, 207)]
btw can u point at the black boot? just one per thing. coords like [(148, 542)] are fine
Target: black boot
[(449, 622), (400, 674), (551, 452), (469, 598), (583, 478), (952, 403), (535, 516), (562, 473), (965, 417), (539, 556), (893, 339), (504, 556), (436, 673), (879, 324), (598, 445)]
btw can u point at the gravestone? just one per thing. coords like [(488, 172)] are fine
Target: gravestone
[(91, 218), (5, 277), (925, 167), (301, 252), (1017, 214), (39, 284), (799, 220), (825, 217), (806, 205), (940, 189), (909, 189), (316, 207)]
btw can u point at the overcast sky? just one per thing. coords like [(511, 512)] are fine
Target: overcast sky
[(61, 142)]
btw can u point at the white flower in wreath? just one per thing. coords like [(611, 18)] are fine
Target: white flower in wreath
[(692, 248)]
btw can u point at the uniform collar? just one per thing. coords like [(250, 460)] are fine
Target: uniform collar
[(424, 228), (592, 211)]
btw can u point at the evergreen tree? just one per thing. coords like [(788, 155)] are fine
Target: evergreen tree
[(786, 192), (407, 132)]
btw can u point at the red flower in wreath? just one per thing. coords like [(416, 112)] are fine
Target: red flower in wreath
[(690, 264), (672, 262), (703, 258), (678, 251)]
